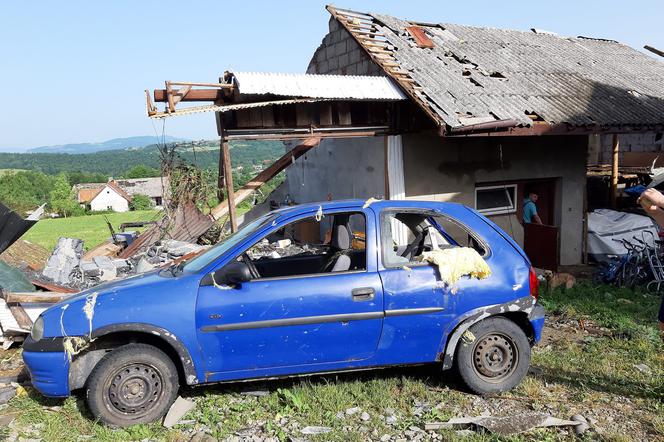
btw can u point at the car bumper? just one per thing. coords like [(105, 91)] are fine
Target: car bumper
[(536, 318), (48, 365)]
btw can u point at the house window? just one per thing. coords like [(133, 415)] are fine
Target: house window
[(495, 200)]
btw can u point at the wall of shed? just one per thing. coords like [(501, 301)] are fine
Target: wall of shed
[(601, 146), (338, 169), (340, 54), (449, 170)]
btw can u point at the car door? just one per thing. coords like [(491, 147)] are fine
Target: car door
[(418, 306), (295, 323)]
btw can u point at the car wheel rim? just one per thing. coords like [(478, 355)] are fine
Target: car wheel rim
[(134, 390), (494, 357)]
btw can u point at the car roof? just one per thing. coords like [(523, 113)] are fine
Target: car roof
[(357, 204)]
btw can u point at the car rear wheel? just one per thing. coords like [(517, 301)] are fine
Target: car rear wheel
[(493, 356), (133, 384)]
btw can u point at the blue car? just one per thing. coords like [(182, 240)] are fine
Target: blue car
[(314, 288)]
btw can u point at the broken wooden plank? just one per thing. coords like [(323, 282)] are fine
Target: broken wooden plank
[(35, 297), (22, 318), (245, 191)]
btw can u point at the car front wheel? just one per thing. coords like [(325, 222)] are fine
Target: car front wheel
[(133, 384), (493, 355)]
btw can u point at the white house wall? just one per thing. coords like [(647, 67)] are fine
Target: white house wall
[(108, 197)]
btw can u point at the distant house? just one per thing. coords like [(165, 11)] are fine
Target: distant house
[(117, 194), (154, 188), (99, 197)]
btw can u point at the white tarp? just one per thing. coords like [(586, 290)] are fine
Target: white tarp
[(605, 226)]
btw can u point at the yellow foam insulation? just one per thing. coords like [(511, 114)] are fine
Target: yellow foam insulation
[(73, 345), (457, 262), (370, 201)]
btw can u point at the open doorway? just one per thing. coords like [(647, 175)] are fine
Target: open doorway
[(541, 241)]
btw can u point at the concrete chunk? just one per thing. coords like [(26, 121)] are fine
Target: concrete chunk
[(65, 258), (179, 408)]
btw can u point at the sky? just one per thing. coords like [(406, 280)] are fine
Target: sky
[(76, 71)]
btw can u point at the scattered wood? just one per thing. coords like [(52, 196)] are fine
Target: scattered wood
[(21, 317), (245, 191), (35, 297)]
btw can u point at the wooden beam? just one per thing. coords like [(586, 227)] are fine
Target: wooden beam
[(228, 178), (266, 175), (654, 50), (614, 172), (193, 95), (179, 94), (22, 318), (35, 297)]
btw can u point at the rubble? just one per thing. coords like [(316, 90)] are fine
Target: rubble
[(507, 425), (177, 411), (65, 258), (69, 271), (273, 250)]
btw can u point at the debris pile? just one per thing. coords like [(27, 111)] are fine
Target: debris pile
[(281, 249)]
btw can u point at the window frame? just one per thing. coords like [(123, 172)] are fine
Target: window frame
[(383, 220), (504, 210), (308, 275)]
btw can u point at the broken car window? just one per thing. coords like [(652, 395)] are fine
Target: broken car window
[(336, 243), (406, 236)]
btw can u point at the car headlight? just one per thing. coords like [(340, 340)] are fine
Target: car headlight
[(37, 331)]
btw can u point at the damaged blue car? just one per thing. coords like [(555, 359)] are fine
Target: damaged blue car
[(315, 288)]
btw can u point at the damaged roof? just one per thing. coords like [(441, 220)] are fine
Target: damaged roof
[(464, 75), (317, 86)]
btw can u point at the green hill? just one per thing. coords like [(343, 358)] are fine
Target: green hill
[(116, 162)]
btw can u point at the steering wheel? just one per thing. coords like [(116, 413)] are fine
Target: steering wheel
[(252, 267)]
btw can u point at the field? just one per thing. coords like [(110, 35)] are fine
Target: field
[(601, 356), (92, 228)]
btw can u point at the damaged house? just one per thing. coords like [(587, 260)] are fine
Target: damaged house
[(116, 195), (473, 115)]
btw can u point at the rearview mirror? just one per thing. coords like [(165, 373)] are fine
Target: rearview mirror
[(236, 272), (233, 273)]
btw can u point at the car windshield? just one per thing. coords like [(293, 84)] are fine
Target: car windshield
[(203, 260)]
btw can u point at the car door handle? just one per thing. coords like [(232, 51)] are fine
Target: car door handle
[(363, 294)]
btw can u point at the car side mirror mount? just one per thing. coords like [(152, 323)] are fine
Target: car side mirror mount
[(233, 273)]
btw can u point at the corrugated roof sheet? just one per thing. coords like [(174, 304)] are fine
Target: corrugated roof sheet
[(487, 73), (152, 187), (318, 86)]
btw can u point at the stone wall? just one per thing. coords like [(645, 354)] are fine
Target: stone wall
[(339, 54)]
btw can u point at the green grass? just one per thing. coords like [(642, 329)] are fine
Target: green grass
[(591, 373), (91, 228)]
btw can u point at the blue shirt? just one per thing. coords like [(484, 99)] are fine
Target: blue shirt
[(529, 210)]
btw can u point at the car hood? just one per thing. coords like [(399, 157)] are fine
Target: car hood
[(144, 298)]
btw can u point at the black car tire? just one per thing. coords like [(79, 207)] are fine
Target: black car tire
[(133, 384), (493, 355)]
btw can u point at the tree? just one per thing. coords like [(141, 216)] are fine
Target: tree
[(62, 197), (142, 171), (140, 202)]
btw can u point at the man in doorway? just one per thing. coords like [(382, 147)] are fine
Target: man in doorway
[(653, 202), (530, 209)]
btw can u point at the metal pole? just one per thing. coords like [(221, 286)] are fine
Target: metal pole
[(614, 172)]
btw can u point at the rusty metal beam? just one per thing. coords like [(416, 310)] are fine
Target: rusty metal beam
[(266, 175)]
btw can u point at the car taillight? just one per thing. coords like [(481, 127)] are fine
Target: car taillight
[(534, 284)]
